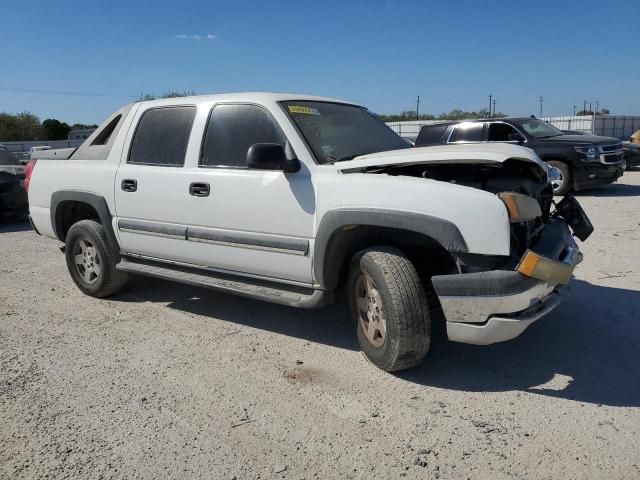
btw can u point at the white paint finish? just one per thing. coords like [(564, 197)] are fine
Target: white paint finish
[(471, 153), (41, 218), (93, 176), (234, 259), (273, 202), (480, 216), (240, 200), (50, 176)]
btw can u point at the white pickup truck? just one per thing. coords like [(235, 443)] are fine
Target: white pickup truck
[(289, 198)]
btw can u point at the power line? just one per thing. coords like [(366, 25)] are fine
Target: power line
[(74, 94)]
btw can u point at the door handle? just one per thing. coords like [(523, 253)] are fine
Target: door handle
[(199, 189), (129, 185)]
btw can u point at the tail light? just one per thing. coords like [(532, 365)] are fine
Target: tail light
[(28, 171)]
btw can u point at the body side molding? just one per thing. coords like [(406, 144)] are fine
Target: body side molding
[(251, 240)]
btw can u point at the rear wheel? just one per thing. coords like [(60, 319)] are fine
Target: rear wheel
[(389, 305), (92, 260), (562, 185)]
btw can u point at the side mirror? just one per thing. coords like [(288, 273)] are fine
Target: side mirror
[(270, 156), (516, 137)]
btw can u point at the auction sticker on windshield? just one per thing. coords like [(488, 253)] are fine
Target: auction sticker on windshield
[(305, 110)]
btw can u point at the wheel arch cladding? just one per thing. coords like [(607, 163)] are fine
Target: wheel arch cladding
[(333, 238), (95, 201)]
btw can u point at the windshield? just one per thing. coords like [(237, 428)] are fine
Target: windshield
[(338, 132), (539, 129)]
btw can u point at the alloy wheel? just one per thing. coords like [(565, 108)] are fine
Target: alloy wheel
[(87, 261), (370, 311)]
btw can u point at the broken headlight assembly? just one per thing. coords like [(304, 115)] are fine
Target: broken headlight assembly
[(521, 208)]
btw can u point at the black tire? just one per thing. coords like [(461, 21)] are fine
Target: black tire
[(567, 178), (90, 238), (404, 308)]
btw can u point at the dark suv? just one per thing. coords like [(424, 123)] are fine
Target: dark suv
[(584, 161)]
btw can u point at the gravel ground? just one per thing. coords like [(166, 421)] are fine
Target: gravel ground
[(168, 381)]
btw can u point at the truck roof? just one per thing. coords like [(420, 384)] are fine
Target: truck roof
[(493, 119), (257, 97)]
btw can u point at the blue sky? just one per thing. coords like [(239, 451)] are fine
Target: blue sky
[(380, 53)]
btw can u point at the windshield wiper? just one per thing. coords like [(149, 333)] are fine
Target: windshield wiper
[(550, 136), (333, 159), (351, 157)]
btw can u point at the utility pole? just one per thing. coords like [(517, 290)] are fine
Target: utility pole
[(584, 108), (574, 110), (597, 105), (418, 108), (490, 97), (494, 108), (590, 108), (540, 99)]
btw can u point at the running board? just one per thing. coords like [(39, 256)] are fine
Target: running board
[(251, 288)]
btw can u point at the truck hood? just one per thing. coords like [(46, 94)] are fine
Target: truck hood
[(470, 154), (580, 139)]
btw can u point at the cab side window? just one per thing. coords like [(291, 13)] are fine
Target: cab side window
[(468, 132), (501, 132), (162, 136), (232, 129)]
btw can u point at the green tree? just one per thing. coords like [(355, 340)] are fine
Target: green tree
[(55, 129), (455, 114), (19, 127), (169, 94)]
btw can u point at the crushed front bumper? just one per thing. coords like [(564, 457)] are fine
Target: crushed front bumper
[(482, 308)]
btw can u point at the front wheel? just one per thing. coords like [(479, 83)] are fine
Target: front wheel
[(389, 304), (92, 260), (562, 185)]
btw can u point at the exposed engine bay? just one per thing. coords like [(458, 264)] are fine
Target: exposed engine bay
[(511, 176)]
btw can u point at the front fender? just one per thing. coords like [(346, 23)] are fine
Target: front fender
[(443, 232)]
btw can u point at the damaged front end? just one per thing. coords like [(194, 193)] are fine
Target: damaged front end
[(495, 298)]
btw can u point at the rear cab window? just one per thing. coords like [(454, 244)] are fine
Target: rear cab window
[(162, 135)]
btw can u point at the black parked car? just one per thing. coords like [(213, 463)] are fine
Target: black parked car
[(584, 161), (13, 196)]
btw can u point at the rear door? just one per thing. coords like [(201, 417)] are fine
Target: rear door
[(152, 182)]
